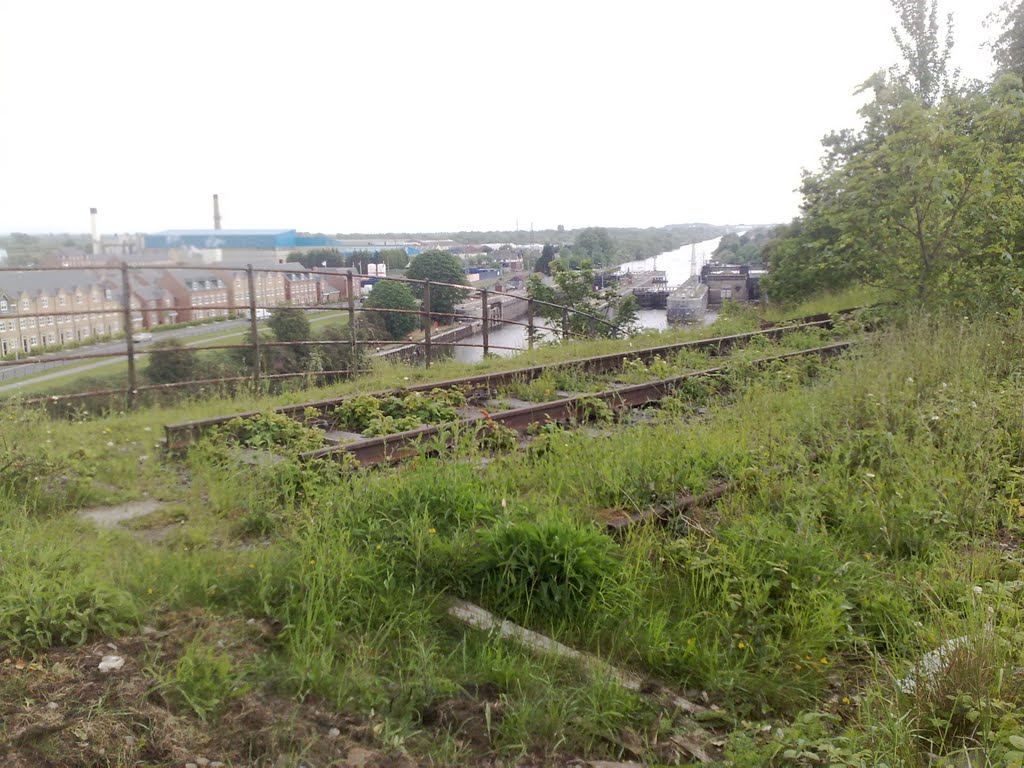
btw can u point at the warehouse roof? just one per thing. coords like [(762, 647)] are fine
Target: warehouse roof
[(222, 232)]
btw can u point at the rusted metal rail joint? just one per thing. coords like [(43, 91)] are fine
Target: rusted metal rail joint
[(181, 436), (401, 445)]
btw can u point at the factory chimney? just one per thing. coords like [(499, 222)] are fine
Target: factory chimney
[(216, 212), (96, 246)]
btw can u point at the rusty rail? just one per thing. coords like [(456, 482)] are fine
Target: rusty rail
[(401, 445), (180, 436)]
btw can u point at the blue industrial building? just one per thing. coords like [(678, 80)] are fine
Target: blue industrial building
[(256, 240), (249, 239)]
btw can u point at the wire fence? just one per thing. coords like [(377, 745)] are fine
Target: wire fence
[(132, 302)]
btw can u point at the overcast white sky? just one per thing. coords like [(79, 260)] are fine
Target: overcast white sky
[(346, 115)]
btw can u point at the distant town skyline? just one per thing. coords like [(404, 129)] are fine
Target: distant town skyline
[(440, 117)]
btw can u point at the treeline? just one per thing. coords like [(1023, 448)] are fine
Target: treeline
[(332, 258), (926, 199), (600, 247), (603, 246), (744, 249)]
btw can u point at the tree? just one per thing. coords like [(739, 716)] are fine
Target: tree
[(388, 294), (318, 258), (339, 356), (574, 288), (168, 366), (594, 244), (924, 71), (443, 267), (924, 204), (547, 255), (1009, 46), (289, 324)]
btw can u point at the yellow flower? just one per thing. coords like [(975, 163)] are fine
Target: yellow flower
[(741, 645), (378, 547), (846, 699), (432, 530), (149, 591), (824, 660), (867, 555), (312, 562)]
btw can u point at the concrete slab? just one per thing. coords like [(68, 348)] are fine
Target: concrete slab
[(110, 517)]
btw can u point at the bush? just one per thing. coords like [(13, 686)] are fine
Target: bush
[(544, 570), (168, 366)]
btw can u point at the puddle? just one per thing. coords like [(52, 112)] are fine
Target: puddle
[(109, 517)]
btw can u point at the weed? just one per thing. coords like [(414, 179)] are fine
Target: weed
[(545, 570), (202, 680)]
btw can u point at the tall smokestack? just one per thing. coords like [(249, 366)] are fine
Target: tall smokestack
[(96, 247), (216, 212)]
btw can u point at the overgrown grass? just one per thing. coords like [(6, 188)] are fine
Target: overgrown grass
[(874, 517)]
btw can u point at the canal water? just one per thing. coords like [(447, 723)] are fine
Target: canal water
[(675, 264)]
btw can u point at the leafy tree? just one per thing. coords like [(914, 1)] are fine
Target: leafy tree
[(393, 258), (388, 294), (443, 267), (168, 366), (332, 258), (289, 324), (574, 288), (1009, 46), (923, 201), (547, 255), (593, 244), (339, 357), (924, 71)]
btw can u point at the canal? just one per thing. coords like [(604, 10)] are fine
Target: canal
[(675, 264)]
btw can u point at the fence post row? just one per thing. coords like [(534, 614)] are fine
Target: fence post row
[(126, 306), (352, 323), (485, 327), (530, 330), (253, 325), (426, 321)]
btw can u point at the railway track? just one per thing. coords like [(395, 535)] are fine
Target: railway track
[(567, 410), (180, 436)]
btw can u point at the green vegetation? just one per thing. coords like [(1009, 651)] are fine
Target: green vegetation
[(924, 200), (387, 294), (872, 501), (168, 363), (441, 267), (574, 288), (743, 249)]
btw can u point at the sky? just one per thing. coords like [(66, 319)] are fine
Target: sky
[(385, 116)]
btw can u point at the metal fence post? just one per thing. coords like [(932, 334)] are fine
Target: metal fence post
[(351, 323), (485, 328), (426, 321), (253, 326), (565, 322), (126, 306), (530, 330)]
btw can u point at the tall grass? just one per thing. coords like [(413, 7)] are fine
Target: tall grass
[(872, 496)]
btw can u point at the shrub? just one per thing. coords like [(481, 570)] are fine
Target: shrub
[(545, 570)]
